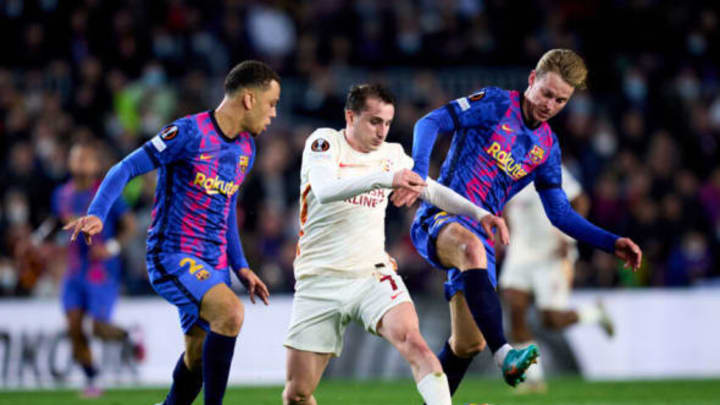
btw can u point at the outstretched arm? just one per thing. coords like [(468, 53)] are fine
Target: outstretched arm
[(135, 164), (558, 209), (328, 188)]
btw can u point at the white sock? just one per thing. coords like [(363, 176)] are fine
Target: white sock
[(501, 353), (589, 314), (434, 389), (534, 373)]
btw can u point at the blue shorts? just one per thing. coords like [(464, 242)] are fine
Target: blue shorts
[(424, 232), (96, 299), (183, 280)]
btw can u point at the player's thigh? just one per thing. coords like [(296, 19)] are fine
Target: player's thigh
[(458, 247), (317, 324), (194, 340), (220, 303), (398, 322), (466, 338), (304, 370)]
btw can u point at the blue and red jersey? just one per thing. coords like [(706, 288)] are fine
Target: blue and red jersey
[(69, 202), (200, 171), (493, 154)]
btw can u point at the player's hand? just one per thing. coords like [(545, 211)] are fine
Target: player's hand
[(407, 185), (489, 221), (89, 225), (254, 285), (629, 252)]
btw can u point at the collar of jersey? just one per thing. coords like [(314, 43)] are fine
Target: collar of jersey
[(218, 130)]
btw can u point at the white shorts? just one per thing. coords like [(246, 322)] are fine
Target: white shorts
[(323, 306), (548, 281)]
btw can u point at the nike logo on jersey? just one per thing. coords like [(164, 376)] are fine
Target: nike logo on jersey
[(205, 157), (395, 295), (507, 129)]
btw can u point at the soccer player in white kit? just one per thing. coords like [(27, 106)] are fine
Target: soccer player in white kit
[(539, 264), (342, 270)]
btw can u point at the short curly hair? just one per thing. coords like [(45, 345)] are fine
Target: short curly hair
[(250, 73)]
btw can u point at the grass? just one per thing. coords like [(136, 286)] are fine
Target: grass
[(563, 391)]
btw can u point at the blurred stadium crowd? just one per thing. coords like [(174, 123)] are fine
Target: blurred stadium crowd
[(645, 139)]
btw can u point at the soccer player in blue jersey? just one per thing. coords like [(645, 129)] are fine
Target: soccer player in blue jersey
[(193, 240), (91, 282), (501, 142)]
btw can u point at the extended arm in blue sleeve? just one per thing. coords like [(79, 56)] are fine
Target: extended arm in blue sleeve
[(560, 212), (134, 164), (425, 134), (235, 253)]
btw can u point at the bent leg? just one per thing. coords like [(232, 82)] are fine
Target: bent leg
[(80, 344), (304, 370), (224, 312), (460, 248), (400, 327)]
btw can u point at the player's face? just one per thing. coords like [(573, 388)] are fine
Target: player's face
[(546, 95), (371, 126), (264, 107), (83, 163)]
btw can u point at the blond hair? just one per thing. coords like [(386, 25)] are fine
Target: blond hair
[(566, 63)]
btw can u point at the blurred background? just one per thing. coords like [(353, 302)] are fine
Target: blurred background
[(644, 139)]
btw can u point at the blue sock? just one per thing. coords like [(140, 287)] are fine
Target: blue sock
[(217, 355), (186, 384), (454, 367), (485, 307)]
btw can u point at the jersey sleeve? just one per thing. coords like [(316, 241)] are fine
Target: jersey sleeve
[(549, 174), (321, 149), (479, 109), (170, 144)]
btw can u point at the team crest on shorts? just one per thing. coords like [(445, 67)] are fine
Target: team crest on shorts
[(169, 132), (320, 145), (202, 275)]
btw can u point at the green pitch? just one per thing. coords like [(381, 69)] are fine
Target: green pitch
[(565, 391)]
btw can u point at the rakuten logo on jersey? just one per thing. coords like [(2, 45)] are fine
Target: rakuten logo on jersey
[(214, 185), (505, 161)]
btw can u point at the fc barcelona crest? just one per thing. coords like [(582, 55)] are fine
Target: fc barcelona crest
[(537, 154), (243, 163)]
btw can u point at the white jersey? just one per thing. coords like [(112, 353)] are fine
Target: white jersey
[(533, 238), (344, 238)]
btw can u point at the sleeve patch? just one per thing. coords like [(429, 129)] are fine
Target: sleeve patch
[(320, 145), (158, 143), (463, 103), (169, 132)]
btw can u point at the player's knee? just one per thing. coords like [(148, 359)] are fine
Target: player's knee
[(296, 394), (474, 254), (230, 318), (469, 348)]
